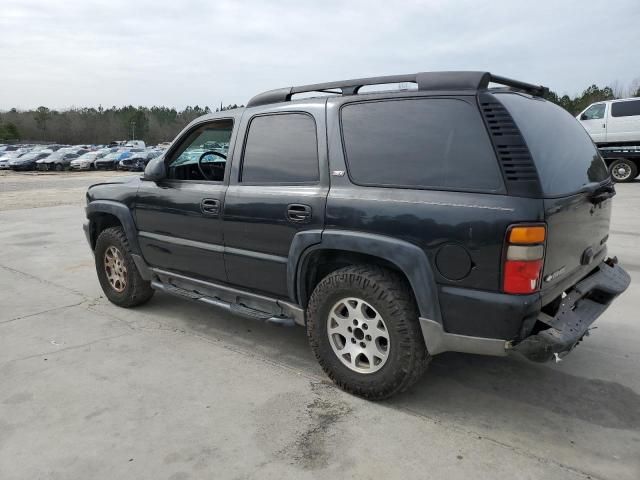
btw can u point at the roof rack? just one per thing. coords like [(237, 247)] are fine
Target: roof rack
[(425, 81)]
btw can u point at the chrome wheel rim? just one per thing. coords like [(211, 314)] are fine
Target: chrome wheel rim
[(358, 335), (115, 269), (621, 171)]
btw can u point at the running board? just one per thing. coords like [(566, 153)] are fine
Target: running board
[(235, 308)]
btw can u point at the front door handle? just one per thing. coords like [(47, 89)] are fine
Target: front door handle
[(210, 206), (298, 213)]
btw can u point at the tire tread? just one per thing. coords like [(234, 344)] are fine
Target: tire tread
[(391, 290)]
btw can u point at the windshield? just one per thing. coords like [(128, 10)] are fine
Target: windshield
[(565, 156)]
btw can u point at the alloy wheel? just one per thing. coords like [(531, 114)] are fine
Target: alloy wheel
[(115, 269), (358, 335)]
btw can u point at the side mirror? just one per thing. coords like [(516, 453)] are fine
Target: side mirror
[(584, 117), (155, 170)]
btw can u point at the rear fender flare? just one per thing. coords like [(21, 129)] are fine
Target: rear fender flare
[(407, 257)]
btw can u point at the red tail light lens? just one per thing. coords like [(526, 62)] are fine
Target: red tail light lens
[(523, 261), (521, 276)]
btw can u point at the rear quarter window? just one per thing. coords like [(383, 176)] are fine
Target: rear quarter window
[(438, 143), (565, 157)]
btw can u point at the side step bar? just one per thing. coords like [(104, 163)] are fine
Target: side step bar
[(282, 313)]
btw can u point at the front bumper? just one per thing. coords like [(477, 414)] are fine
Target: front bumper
[(581, 306)]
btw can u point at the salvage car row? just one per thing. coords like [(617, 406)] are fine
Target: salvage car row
[(132, 156)]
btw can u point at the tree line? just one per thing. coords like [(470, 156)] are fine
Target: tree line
[(98, 125), (159, 124)]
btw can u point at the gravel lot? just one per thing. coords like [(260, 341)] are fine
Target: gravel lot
[(176, 390)]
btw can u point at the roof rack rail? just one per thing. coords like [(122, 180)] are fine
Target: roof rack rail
[(425, 80)]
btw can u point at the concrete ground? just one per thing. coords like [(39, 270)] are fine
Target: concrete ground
[(177, 390)]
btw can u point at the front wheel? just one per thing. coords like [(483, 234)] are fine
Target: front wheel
[(623, 170), (362, 325), (117, 272)]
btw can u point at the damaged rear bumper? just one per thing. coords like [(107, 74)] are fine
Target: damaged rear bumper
[(581, 306)]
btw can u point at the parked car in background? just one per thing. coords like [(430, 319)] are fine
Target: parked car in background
[(87, 160), (135, 144), (613, 122), (60, 160), (8, 148), (27, 161), (4, 161), (138, 161), (8, 155), (107, 162), (111, 160)]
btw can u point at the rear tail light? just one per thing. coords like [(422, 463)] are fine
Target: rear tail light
[(523, 261)]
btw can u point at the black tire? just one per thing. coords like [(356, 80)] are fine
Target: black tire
[(58, 167), (136, 290), (389, 294), (623, 170)]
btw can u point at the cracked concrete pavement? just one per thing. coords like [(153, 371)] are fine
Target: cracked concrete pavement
[(178, 390)]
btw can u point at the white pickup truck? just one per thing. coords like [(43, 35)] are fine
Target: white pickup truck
[(614, 126)]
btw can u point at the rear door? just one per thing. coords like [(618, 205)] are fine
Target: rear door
[(278, 188), (568, 165), (594, 121), (623, 122)]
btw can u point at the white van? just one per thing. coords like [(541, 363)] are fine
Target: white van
[(613, 121)]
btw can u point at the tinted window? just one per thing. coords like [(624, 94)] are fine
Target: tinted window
[(419, 143), (565, 156), (594, 112), (625, 109), (281, 149)]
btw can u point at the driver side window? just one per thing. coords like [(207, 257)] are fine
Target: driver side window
[(202, 155), (594, 112)]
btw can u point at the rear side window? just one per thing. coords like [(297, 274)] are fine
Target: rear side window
[(625, 109), (565, 157), (438, 143), (281, 149)]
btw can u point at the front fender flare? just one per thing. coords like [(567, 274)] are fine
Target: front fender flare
[(122, 213)]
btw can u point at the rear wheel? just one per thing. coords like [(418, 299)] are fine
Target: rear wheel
[(362, 324), (117, 272), (623, 170), (59, 167)]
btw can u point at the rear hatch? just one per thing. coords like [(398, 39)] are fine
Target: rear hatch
[(575, 185)]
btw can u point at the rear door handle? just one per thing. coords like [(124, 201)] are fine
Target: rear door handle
[(210, 206), (298, 213)]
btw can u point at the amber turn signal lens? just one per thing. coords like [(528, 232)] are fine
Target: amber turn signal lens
[(527, 235)]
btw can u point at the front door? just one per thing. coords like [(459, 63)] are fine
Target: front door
[(278, 188), (593, 120), (179, 218)]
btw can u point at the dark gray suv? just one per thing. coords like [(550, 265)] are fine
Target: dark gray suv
[(393, 225)]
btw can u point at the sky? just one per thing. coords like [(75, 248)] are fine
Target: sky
[(64, 53)]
